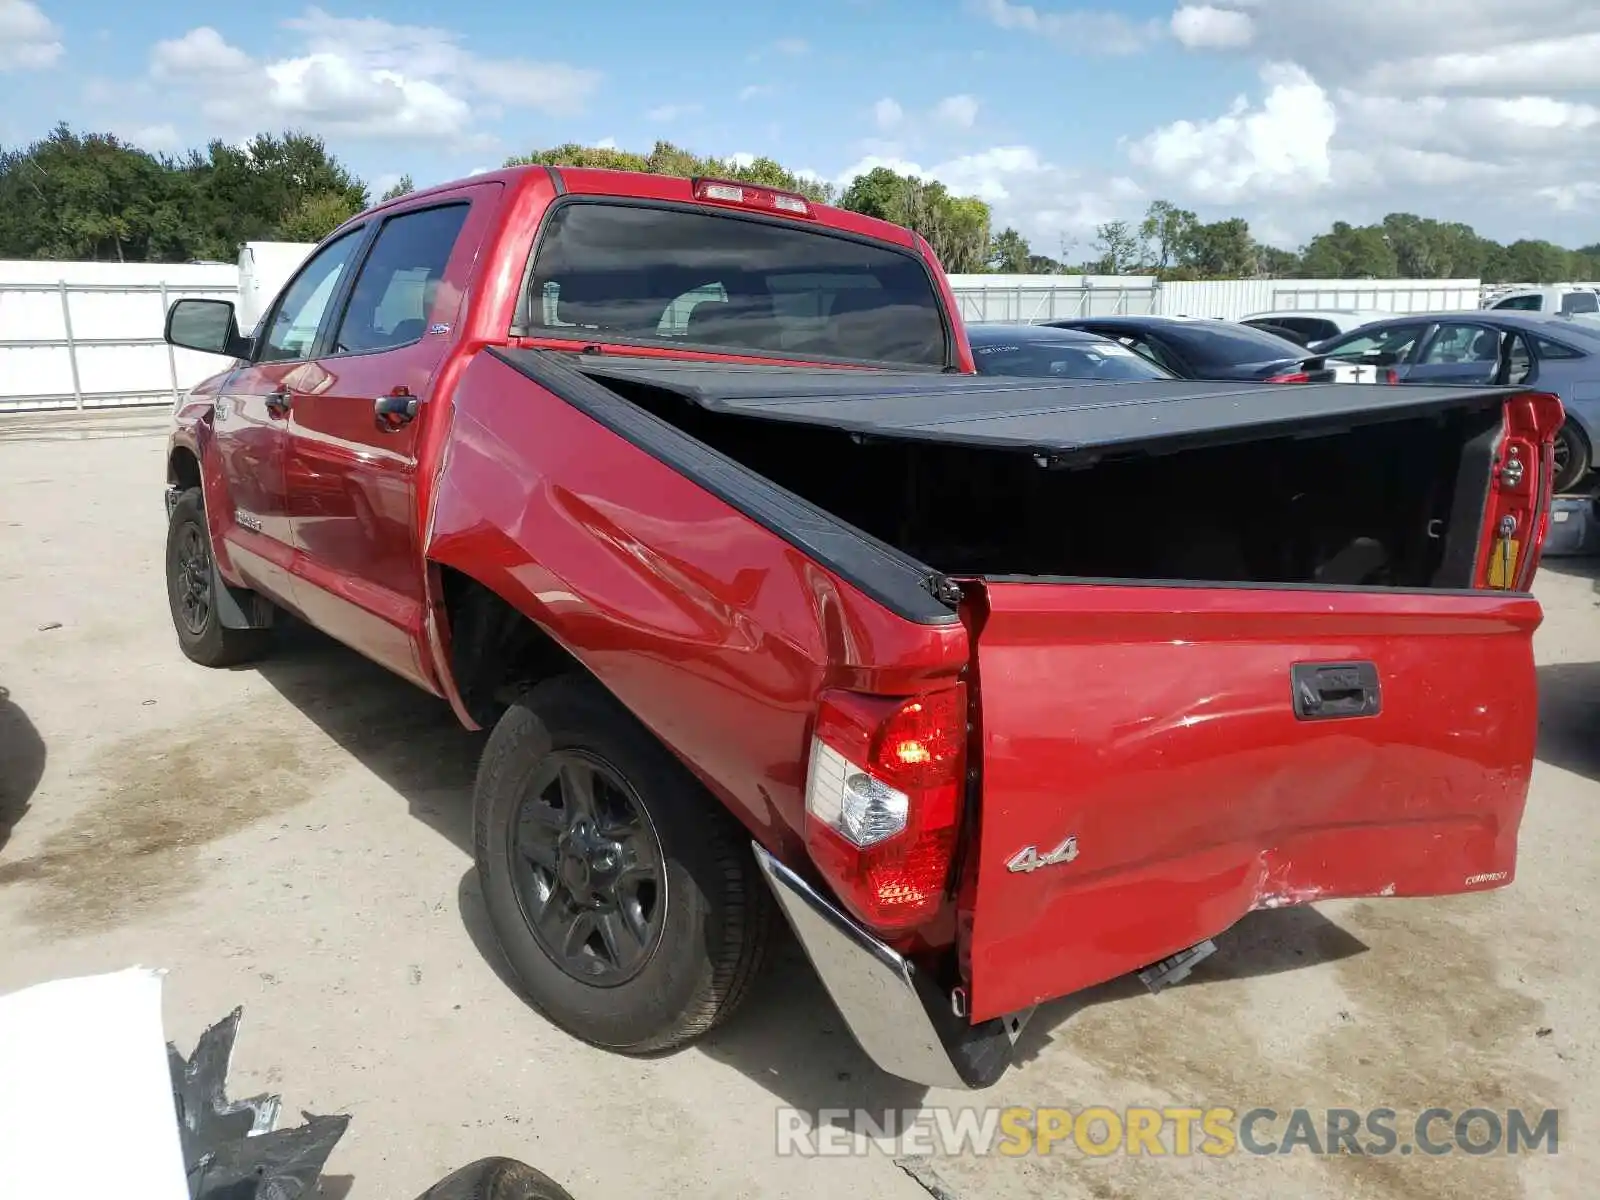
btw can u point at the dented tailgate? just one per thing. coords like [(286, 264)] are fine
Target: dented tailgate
[(1209, 751)]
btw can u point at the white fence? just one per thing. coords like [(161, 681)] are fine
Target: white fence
[(88, 335), (1029, 299)]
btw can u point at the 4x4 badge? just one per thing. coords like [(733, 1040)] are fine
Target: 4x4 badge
[(1028, 859)]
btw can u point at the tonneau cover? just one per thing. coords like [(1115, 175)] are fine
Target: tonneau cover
[(1059, 417)]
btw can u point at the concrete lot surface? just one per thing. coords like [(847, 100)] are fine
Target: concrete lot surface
[(294, 838)]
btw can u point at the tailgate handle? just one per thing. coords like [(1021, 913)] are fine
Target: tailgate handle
[(1326, 691)]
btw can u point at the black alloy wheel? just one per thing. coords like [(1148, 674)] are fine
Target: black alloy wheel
[(192, 593), (192, 579), (588, 869)]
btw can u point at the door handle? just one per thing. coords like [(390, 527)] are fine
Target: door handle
[(395, 411), (1328, 691), (278, 404)]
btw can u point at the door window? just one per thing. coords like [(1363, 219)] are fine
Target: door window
[(291, 331), (1463, 344), (1531, 302), (392, 300), (1476, 348), (1398, 340)]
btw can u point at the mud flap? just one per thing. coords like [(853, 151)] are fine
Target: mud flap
[(238, 608)]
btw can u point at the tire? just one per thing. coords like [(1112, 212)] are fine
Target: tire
[(190, 599), (693, 939), (496, 1179), (1569, 474)]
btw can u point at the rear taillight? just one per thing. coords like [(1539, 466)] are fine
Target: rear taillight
[(1390, 375), (1519, 508), (747, 195), (883, 801), (1291, 377)]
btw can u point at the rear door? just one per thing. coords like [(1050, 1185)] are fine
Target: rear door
[(1158, 761), (353, 428)]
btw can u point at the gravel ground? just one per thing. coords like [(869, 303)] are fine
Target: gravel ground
[(294, 837)]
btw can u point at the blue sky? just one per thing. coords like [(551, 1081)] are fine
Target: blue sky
[(1061, 116)]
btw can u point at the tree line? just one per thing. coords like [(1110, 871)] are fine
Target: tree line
[(95, 197)]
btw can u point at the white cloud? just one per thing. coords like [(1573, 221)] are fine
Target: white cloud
[(1202, 27), (1550, 64), (755, 91), (606, 143), (1086, 31), (672, 112), (365, 77), (960, 111), (740, 159), (1281, 147), (29, 40), (157, 139), (1048, 204), (1570, 197), (1395, 107), (887, 113), (199, 54), (791, 46)]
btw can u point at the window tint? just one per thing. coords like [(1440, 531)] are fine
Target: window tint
[(1549, 349), (667, 275), (393, 296), (1065, 360), (1531, 303), (1580, 302), (1398, 340), (1224, 345), (295, 322)]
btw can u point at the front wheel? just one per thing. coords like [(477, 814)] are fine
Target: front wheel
[(624, 897), (191, 593), (1572, 458)]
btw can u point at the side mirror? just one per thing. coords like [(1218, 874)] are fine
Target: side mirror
[(208, 326)]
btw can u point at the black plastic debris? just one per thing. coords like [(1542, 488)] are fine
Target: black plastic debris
[(232, 1150)]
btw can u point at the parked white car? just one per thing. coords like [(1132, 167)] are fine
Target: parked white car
[(1308, 325), (1564, 299)]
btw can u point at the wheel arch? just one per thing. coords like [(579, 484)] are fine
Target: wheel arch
[(486, 647)]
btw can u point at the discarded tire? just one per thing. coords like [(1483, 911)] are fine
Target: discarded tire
[(496, 1179)]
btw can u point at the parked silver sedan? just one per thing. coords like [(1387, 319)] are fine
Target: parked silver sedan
[(1560, 355)]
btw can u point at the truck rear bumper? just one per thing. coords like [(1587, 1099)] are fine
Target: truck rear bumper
[(903, 1022)]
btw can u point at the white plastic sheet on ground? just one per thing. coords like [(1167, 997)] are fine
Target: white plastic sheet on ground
[(86, 1092)]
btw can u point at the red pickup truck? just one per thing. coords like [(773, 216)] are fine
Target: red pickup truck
[(999, 687)]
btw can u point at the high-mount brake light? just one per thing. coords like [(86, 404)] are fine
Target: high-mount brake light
[(883, 801), (747, 195)]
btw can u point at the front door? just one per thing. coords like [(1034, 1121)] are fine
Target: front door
[(354, 429), (250, 521)]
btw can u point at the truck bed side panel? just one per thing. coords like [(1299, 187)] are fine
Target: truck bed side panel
[(714, 630)]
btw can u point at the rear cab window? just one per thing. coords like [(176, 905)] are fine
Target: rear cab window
[(657, 274), (1580, 302)]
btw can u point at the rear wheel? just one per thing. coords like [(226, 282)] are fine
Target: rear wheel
[(1572, 458), (624, 897), (191, 593)]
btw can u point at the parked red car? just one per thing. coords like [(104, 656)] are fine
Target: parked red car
[(1000, 687)]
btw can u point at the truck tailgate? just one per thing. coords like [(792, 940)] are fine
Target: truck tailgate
[(1158, 726)]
